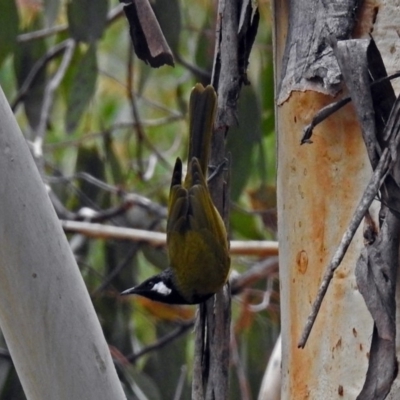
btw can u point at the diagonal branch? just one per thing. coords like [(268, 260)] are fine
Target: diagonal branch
[(370, 193)]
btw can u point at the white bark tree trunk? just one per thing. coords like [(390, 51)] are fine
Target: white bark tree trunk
[(46, 315), (319, 186)]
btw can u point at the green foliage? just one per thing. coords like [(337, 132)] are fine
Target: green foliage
[(87, 19), (82, 87), (99, 145), (26, 56), (168, 14), (9, 23), (243, 139)]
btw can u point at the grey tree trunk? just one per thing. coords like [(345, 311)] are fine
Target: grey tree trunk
[(46, 315)]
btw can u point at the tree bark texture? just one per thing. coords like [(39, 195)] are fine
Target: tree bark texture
[(319, 186)]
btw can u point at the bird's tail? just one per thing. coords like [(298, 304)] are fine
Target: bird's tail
[(202, 108)]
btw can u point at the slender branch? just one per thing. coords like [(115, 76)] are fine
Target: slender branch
[(328, 110), (42, 33), (162, 341), (114, 232), (267, 267), (322, 115), (152, 103), (128, 200), (115, 271), (258, 248), (135, 114), (48, 97), (181, 382), (85, 177), (37, 67), (125, 262), (141, 137), (194, 69), (118, 126), (240, 372), (113, 15)]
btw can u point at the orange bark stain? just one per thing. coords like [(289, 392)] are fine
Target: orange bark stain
[(302, 261), (319, 188)]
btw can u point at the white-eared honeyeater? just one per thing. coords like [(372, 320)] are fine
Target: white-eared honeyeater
[(197, 242)]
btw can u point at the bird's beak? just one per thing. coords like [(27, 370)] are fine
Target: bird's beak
[(129, 291)]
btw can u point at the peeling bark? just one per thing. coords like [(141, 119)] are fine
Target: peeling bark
[(308, 62)]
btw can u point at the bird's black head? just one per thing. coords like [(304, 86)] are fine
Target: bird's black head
[(158, 288), (162, 288)]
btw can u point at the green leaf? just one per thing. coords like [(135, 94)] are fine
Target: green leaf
[(82, 88), (168, 14), (89, 160), (267, 93), (245, 225), (25, 57), (113, 161), (87, 19), (243, 139), (9, 23), (204, 55)]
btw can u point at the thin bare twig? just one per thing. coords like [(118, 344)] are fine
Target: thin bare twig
[(241, 375), (86, 177), (257, 248), (194, 69), (48, 97), (181, 382), (112, 16), (154, 104), (114, 232), (106, 281), (42, 33), (322, 115), (262, 269), (115, 271), (370, 193), (128, 199), (141, 137), (135, 114), (328, 110), (37, 67), (118, 126), (184, 327)]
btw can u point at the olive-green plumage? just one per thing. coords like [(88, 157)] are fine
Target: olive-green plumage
[(197, 242), (196, 237)]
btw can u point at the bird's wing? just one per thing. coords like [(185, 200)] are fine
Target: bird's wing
[(177, 205), (202, 212)]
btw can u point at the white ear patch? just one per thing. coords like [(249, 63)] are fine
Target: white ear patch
[(161, 288)]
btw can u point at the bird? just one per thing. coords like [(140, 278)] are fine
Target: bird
[(197, 241)]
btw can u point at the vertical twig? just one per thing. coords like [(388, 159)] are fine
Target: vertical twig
[(135, 114), (211, 367), (48, 98)]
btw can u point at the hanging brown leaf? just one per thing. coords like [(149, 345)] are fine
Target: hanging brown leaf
[(148, 40)]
